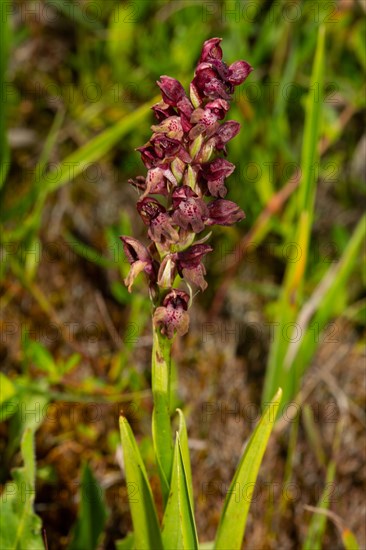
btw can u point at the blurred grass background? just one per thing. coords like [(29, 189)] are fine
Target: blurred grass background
[(286, 290)]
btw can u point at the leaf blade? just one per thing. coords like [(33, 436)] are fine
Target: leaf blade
[(234, 514)]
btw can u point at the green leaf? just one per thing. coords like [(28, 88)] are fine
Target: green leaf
[(92, 513), (315, 534), (349, 540), (128, 543), (183, 438), (42, 359), (234, 515), (20, 526), (7, 389), (144, 516), (179, 528)]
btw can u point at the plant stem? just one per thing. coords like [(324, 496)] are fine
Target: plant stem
[(161, 428)]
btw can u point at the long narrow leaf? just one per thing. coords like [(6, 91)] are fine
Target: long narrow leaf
[(92, 514), (235, 511), (183, 438), (179, 529), (144, 516)]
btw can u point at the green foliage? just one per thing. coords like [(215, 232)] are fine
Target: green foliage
[(92, 513), (20, 526), (234, 515), (178, 527), (144, 516)]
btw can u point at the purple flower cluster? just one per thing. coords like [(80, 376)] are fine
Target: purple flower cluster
[(185, 171)]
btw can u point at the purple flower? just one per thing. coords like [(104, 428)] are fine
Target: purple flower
[(185, 166), (189, 264), (172, 315), (189, 211), (154, 215), (223, 212), (171, 127), (162, 110), (139, 259), (238, 72), (213, 176), (171, 90), (213, 78), (211, 50)]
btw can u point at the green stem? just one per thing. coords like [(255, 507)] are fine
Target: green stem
[(161, 428)]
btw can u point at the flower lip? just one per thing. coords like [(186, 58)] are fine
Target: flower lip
[(172, 315), (149, 209)]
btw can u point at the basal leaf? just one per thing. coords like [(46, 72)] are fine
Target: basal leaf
[(234, 515), (179, 529), (144, 516)]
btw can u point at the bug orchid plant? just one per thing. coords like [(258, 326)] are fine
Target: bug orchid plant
[(180, 198)]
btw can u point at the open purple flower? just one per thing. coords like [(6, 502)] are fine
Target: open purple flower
[(155, 216), (139, 259), (172, 317), (190, 266), (213, 174), (189, 211), (223, 212)]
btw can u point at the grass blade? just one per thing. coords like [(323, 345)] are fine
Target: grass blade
[(235, 511), (92, 515), (295, 272), (144, 516)]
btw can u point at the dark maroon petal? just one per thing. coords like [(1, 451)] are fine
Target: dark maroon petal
[(167, 148), (182, 193), (139, 259), (193, 255), (171, 89), (177, 298), (238, 72), (162, 110), (189, 264), (214, 174), (161, 229), (149, 209), (218, 107), (172, 316), (189, 211), (223, 212), (225, 133), (218, 168), (148, 155), (134, 250), (185, 109), (211, 49), (159, 181), (191, 214)]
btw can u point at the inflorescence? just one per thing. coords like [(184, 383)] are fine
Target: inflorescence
[(185, 169)]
